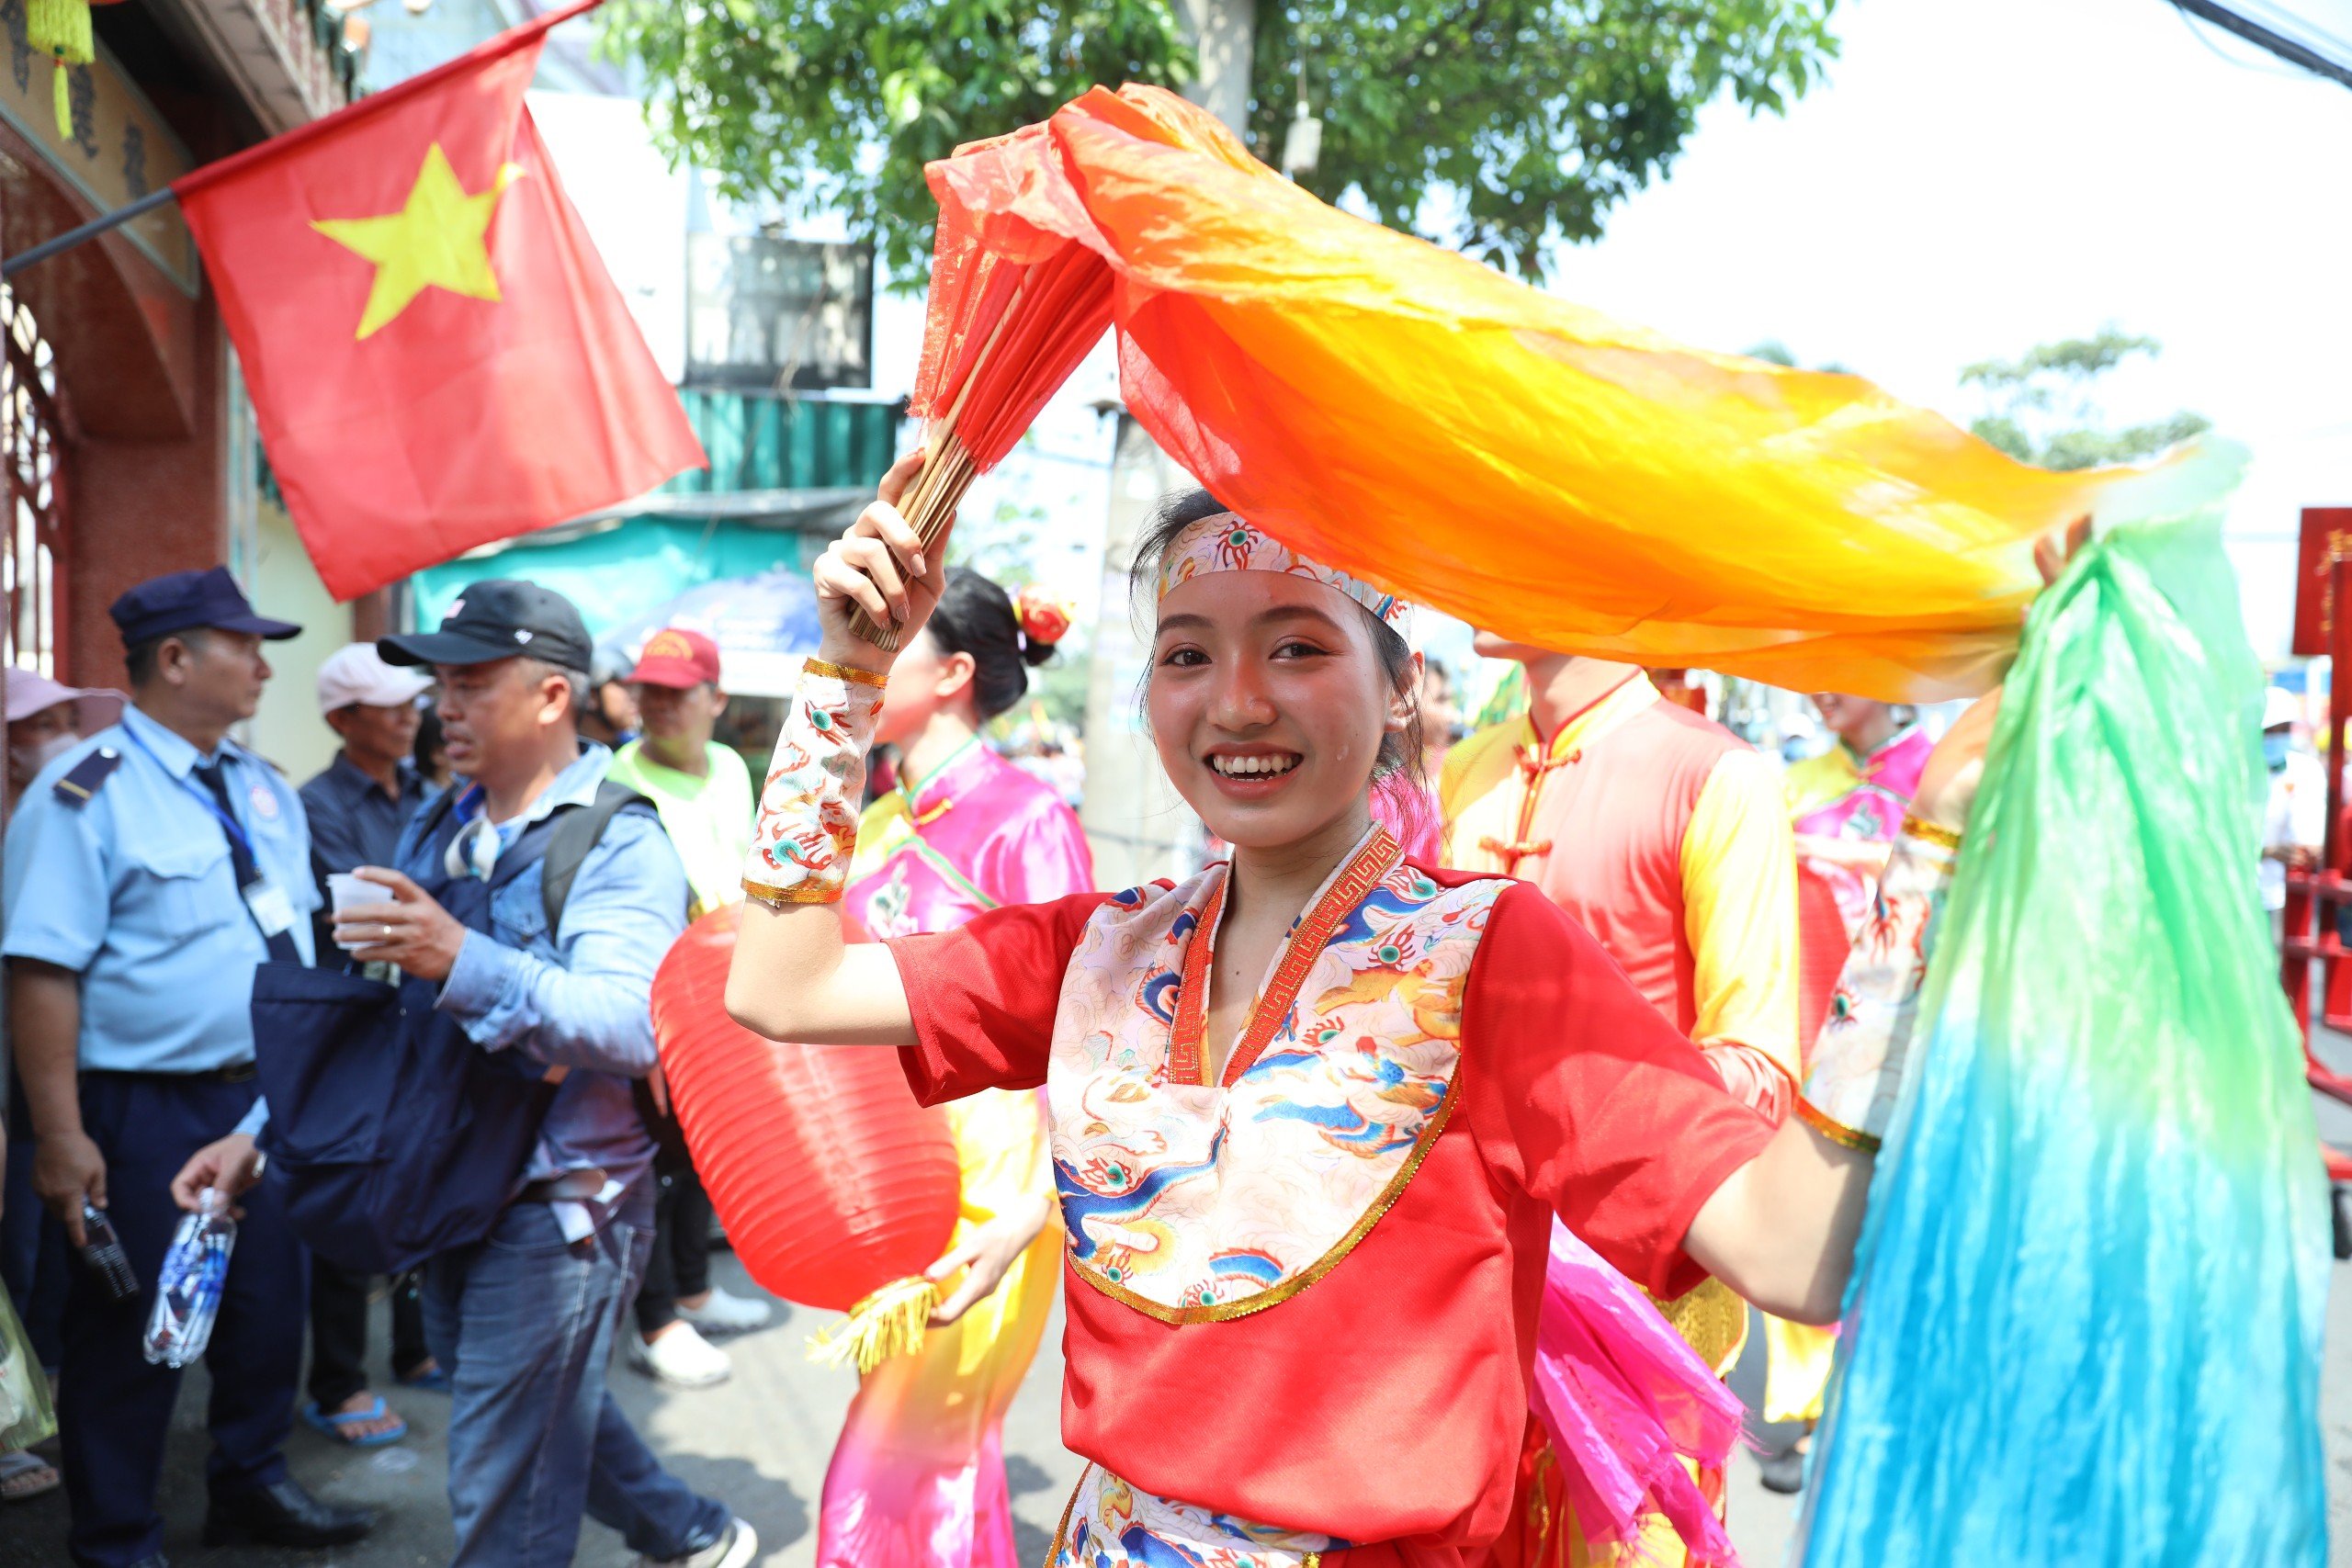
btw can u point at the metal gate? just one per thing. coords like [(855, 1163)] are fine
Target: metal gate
[(34, 437)]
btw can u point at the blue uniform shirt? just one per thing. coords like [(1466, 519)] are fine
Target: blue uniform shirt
[(132, 890)]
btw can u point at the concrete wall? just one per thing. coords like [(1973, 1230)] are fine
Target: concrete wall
[(287, 731)]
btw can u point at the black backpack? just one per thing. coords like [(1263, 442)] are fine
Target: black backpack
[(391, 1135)]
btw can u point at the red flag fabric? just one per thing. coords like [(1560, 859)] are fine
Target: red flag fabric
[(435, 355)]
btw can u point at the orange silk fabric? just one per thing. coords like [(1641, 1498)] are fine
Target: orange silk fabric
[(1421, 421)]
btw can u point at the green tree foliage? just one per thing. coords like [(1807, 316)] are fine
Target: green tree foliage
[(2043, 407), (837, 104), (1506, 125), (1499, 127)]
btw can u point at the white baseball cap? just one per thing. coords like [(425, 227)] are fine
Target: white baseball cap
[(29, 693), (2279, 706), (356, 672)]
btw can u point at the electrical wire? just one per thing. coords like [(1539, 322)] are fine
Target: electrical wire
[(2288, 49)]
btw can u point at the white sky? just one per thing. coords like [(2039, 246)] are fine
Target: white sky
[(1979, 175)]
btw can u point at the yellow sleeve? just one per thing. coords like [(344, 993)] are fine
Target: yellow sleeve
[(1471, 772), (1739, 897)]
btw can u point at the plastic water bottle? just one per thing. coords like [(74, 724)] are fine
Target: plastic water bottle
[(187, 1293), (102, 1250)]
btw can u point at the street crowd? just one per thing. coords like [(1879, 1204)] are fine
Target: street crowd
[(154, 861), (526, 840)]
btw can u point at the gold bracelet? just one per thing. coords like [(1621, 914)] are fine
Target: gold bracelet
[(783, 898), (1837, 1131), (1930, 833), (849, 672)]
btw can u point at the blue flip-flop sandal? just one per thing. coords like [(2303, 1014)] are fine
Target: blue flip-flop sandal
[(338, 1425)]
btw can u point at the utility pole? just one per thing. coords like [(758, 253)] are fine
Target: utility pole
[(1224, 36), (1137, 825)]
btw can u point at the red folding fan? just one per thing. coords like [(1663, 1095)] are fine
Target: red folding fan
[(1010, 314)]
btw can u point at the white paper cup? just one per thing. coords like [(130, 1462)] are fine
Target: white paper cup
[(347, 892)]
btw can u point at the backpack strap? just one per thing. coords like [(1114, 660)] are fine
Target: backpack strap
[(576, 835)]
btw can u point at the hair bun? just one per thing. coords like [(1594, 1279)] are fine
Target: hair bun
[(1045, 620)]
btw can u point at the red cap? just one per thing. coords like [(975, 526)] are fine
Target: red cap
[(677, 657)]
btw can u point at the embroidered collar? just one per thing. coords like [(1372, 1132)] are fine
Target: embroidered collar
[(1374, 858), (922, 806), (1867, 763), (1595, 719)]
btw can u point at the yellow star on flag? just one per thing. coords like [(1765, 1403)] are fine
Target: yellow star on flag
[(438, 240)]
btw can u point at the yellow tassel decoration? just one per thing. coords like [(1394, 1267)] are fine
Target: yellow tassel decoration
[(62, 29), (888, 1323)]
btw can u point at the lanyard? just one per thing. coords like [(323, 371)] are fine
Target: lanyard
[(235, 830)]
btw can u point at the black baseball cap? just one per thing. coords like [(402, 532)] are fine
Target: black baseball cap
[(181, 601), (501, 619)]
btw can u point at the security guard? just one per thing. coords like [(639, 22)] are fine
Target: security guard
[(150, 868)]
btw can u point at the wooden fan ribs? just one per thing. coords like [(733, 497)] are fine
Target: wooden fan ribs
[(1041, 320)]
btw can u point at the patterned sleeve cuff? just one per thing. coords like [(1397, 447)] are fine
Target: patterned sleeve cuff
[(1857, 1068), (808, 829)]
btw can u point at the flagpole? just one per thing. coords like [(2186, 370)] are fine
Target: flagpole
[(373, 104), (90, 230)]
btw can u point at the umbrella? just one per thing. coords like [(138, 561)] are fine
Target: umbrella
[(765, 626)]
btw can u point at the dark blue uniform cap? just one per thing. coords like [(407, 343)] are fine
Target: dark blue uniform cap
[(180, 601)]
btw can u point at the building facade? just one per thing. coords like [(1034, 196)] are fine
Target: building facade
[(127, 441)]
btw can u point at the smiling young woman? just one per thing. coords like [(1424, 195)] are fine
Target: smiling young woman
[(1312, 1111)]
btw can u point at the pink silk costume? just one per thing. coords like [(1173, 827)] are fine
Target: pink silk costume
[(1861, 800), (917, 1479)]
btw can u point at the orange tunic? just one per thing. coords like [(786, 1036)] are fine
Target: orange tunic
[(1664, 836), (1661, 833)]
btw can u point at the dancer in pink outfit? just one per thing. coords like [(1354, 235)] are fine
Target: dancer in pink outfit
[(918, 1475)]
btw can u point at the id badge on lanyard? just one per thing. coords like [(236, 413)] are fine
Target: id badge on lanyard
[(273, 912)]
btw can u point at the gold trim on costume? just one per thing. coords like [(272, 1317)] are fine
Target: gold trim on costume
[(1712, 1318), (1930, 833), (1061, 1531), (783, 898), (1274, 1296), (850, 673), (1837, 1131)]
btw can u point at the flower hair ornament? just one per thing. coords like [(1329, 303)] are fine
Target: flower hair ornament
[(1229, 542), (1045, 616)]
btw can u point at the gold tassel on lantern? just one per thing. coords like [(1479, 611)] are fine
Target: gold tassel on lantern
[(888, 1323), (61, 27)]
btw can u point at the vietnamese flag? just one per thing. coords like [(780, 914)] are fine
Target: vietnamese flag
[(435, 355)]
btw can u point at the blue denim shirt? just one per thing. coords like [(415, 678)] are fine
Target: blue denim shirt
[(577, 998)]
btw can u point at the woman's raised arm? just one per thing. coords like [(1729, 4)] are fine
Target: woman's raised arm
[(1780, 1231), (796, 974)]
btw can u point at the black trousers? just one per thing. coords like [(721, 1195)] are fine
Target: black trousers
[(113, 1407), (339, 1331), (681, 1262)]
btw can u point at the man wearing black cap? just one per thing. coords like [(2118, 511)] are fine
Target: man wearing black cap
[(148, 871), (524, 1320)]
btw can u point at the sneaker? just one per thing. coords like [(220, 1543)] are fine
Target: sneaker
[(680, 1358), (726, 1313), (1782, 1473), (735, 1548)]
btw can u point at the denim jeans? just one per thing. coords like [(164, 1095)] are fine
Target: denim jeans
[(524, 1321)]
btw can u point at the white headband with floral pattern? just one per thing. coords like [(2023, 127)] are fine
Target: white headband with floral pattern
[(1229, 542)]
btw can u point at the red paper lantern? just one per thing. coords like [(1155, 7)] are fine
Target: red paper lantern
[(831, 1180)]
